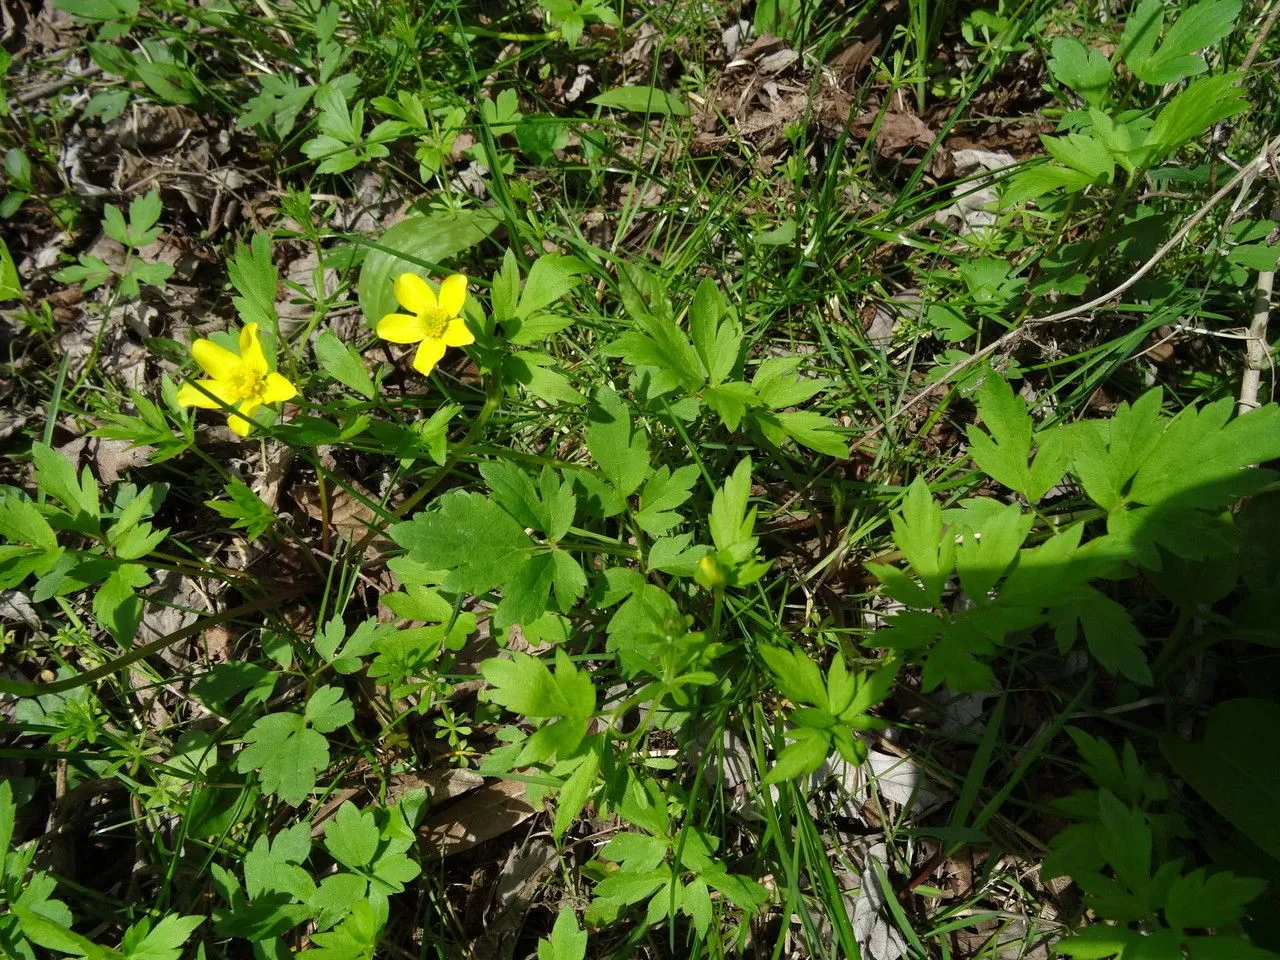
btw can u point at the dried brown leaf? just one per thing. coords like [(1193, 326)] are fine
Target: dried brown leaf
[(480, 816)]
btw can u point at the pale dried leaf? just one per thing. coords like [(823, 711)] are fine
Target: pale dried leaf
[(478, 817), (876, 935)]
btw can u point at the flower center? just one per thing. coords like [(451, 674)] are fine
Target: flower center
[(247, 385), (434, 322)]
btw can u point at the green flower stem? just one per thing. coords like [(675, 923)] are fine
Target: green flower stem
[(492, 397), (716, 613), (194, 568), (1174, 649), (102, 327), (609, 550), (473, 31), (19, 689)]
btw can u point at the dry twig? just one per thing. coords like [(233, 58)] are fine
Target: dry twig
[(1243, 178), (1257, 352)]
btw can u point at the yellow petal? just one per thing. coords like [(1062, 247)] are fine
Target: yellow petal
[(277, 388), (414, 293), (193, 395), (428, 355), (239, 425), (453, 294), (457, 334), (251, 354), (402, 328), (241, 422), (218, 362)]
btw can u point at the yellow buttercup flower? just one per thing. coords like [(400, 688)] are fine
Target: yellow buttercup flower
[(434, 322), (240, 381)]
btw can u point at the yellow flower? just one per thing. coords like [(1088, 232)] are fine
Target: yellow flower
[(434, 322), (240, 381)]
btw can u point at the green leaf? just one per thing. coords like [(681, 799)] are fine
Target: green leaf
[(1224, 947), (44, 932), (352, 836), (356, 938), (540, 136), (433, 433), (1192, 112), (113, 224), (287, 755), (778, 385), (1003, 454), (502, 114), (628, 887), (288, 750), (144, 211), (988, 548), (165, 940), (1104, 455), (514, 492), (280, 100), (567, 579), (1098, 940), (730, 522), (663, 492), (100, 10), (656, 341), (917, 531), (336, 895), (638, 852), (731, 401), (328, 709), (1083, 153), (10, 283), (1198, 901), (524, 685), (1109, 631), (530, 369), (151, 274), (1197, 27), (567, 941), (810, 429), (559, 505), (246, 510), (170, 82), (1128, 841), (959, 657), (1255, 256), (575, 793), (342, 362), (1223, 446), (1141, 31), (525, 591), (1041, 179), (468, 535), (717, 335), (254, 277), (56, 477), (618, 447), (803, 756), (8, 812), (116, 606), (798, 677), (417, 245), (641, 99), (505, 291), (1233, 767), (549, 279), (21, 522), (1087, 72)]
